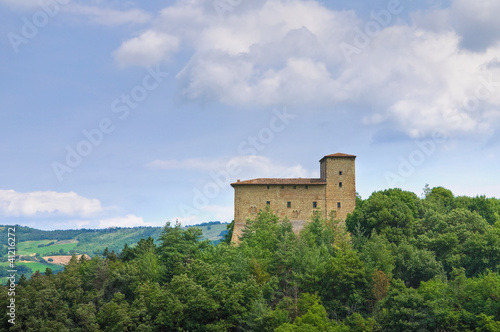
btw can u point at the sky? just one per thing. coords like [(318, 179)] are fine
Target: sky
[(137, 113)]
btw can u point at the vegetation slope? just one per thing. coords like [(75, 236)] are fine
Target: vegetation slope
[(400, 263)]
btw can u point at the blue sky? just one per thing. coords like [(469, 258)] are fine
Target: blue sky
[(129, 113)]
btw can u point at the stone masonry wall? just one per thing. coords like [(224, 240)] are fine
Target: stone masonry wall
[(344, 194), (249, 199)]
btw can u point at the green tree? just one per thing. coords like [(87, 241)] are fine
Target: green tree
[(442, 198), (115, 316), (415, 265), (228, 236), (178, 247), (393, 213)]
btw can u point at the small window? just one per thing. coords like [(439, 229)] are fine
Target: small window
[(338, 205), (267, 187), (282, 187), (288, 204), (294, 187), (315, 205), (340, 184), (340, 172), (307, 187), (268, 202)]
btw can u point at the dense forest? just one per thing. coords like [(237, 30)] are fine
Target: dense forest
[(398, 263)]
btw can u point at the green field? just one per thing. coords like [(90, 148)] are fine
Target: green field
[(35, 266), (27, 247), (31, 247), (41, 266)]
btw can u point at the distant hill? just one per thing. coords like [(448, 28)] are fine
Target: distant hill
[(32, 245)]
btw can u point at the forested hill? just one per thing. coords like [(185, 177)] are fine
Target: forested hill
[(398, 263), (94, 241)]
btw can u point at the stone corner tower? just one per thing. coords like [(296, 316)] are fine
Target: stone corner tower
[(338, 171)]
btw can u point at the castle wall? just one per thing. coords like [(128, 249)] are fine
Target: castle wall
[(249, 199)]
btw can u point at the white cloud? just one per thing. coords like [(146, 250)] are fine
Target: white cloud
[(147, 49), (17, 204), (125, 221), (414, 76)]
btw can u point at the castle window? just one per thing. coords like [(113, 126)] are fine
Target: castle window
[(340, 172), (268, 202), (315, 205), (267, 187), (288, 204), (307, 187), (338, 205), (294, 187), (340, 184)]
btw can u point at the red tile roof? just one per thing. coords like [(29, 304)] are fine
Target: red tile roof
[(296, 181), (341, 155), (338, 155)]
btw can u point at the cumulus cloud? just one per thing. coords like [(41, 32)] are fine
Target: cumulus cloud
[(17, 204), (147, 49), (125, 221), (418, 77)]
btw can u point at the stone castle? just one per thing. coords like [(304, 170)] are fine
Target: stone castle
[(298, 199)]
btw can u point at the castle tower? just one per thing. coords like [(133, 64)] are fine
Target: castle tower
[(338, 171)]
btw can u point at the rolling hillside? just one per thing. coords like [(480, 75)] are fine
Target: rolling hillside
[(35, 248)]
